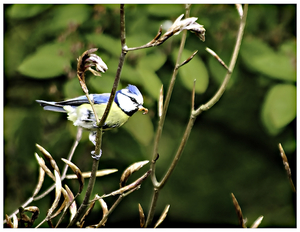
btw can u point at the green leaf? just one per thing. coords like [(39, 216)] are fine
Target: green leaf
[(279, 107), (153, 61), (152, 83), (48, 61), (166, 10), (106, 42), (70, 14), (101, 84), (195, 69), (260, 57), (22, 11), (72, 88), (140, 127)]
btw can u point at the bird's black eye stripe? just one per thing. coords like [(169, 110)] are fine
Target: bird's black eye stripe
[(133, 99)]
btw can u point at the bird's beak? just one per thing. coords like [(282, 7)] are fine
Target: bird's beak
[(142, 108)]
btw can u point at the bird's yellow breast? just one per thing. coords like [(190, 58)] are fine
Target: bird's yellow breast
[(83, 116)]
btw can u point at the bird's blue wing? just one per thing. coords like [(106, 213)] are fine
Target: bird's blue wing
[(96, 98)]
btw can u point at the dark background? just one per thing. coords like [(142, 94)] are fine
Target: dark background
[(233, 147)]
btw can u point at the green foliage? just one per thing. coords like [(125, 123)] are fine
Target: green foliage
[(260, 57), (47, 62), (279, 108)]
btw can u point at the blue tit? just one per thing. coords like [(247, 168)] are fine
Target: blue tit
[(127, 101)]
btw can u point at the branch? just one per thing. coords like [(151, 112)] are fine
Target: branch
[(92, 179), (222, 88), (155, 183)]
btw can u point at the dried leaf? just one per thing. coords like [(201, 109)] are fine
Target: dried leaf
[(163, 216), (131, 169), (88, 174), (238, 211), (136, 184), (257, 222), (142, 216), (104, 209), (8, 221), (57, 194), (42, 164), (286, 166), (35, 212), (48, 157), (77, 172), (40, 182), (73, 206), (64, 204), (15, 221)]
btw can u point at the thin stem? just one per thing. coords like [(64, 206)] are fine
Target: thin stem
[(194, 114), (92, 179), (222, 88), (155, 183)]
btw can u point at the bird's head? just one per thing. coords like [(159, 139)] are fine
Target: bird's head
[(130, 100)]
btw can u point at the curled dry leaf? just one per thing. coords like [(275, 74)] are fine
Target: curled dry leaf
[(142, 216), (15, 221), (34, 210), (135, 185), (63, 205), (40, 182), (257, 222), (104, 209), (77, 172), (57, 194), (98, 173), (42, 164), (48, 157), (131, 169), (163, 216), (73, 206)]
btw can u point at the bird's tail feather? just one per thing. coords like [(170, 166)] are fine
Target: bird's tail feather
[(52, 106)]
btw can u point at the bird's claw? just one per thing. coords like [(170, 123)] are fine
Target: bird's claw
[(96, 156)]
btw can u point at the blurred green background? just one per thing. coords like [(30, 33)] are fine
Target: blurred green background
[(233, 147)]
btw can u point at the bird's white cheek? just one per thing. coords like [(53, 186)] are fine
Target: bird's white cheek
[(126, 104)]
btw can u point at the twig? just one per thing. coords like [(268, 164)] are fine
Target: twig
[(102, 121), (155, 183), (222, 88), (194, 114)]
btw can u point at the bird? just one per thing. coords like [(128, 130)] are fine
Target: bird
[(127, 101)]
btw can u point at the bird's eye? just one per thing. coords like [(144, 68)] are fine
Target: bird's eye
[(133, 100)]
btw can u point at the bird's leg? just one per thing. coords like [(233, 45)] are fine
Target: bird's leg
[(96, 156), (92, 138)]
